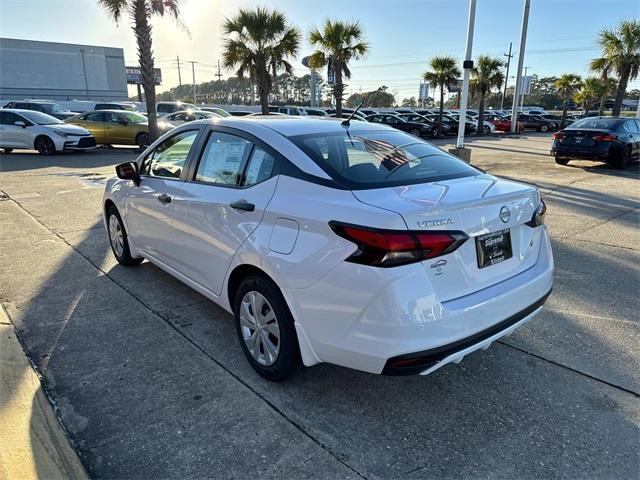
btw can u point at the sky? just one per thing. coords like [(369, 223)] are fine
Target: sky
[(403, 34)]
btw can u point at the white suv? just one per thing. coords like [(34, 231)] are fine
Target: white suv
[(358, 244)]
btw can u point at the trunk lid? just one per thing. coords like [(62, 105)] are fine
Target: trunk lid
[(581, 138), (472, 205)]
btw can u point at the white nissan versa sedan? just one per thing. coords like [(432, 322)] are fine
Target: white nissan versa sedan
[(358, 244)]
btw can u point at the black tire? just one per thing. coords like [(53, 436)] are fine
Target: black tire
[(543, 128), (562, 161), (7, 150), (621, 160), (415, 132), (287, 360), (142, 140), (486, 129), (44, 145), (123, 253)]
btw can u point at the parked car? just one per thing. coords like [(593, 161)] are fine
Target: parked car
[(240, 113), (119, 127), (356, 116), (553, 123), (36, 130), (614, 140), (50, 108), (220, 111), (368, 111), (316, 112), (178, 118), (487, 125), (414, 117), (526, 122), (295, 111), (414, 128), (165, 108), (130, 106), (369, 248)]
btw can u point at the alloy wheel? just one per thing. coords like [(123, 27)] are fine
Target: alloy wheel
[(259, 327), (44, 146), (115, 236)]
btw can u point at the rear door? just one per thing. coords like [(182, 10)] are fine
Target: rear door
[(222, 203)]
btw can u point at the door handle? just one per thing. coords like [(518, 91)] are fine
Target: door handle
[(243, 205), (164, 198)]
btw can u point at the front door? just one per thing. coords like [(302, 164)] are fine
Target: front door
[(94, 122), (222, 205), (150, 205), (11, 135), (116, 129)]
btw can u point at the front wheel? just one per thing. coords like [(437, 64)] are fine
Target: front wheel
[(44, 145), (119, 240), (142, 140), (621, 160), (266, 329), (562, 161), (544, 128), (487, 129)]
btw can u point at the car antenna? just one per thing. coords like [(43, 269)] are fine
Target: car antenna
[(347, 122)]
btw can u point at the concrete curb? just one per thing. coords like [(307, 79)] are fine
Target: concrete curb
[(33, 443)]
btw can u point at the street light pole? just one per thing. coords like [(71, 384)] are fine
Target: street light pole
[(193, 76), (523, 42), (506, 77), (523, 89), (468, 65)]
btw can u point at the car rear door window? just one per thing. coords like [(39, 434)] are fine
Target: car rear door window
[(223, 159), (168, 159)]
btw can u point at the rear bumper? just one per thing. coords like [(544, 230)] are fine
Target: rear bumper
[(598, 152), (364, 317), (428, 361)]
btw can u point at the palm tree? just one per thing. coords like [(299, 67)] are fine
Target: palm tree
[(607, 88), (567, 85), (259, 42), (487, 74), (140, 12), (444, 71), (339, 43), (589, 93), (621, 55)]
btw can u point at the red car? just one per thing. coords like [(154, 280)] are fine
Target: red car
[(504, 125)]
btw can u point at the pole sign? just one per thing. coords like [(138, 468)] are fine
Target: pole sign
[(424, 91), (331, 73), (526, 84), (455, 87), (134, 75)]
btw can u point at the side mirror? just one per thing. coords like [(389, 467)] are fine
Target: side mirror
[(128, 171), (20, 123)]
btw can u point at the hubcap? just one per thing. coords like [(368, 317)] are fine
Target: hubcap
[(115, 235), (260, 330)]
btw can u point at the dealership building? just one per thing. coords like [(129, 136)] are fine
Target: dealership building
[(60, 71)]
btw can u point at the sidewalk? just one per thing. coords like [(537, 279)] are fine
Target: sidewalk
[(32, 442)]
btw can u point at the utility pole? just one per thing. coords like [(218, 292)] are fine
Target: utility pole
[(468, 65), (506, 77), (219, 74), (523, 44), (193, 75), (179, 76)]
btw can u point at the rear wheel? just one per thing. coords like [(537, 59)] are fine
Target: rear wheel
[(44, 145), (543, 128), (266, 329), (119, 240), (142, 140), (487, 129), (622, 159), (562, 161)]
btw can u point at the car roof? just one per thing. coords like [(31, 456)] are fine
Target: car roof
[(288, 125)]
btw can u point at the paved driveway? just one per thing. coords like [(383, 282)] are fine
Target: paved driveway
[(149, 379)]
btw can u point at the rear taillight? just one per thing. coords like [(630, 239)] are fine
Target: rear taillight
[(605, 138), (558, 135), (538, 215), (389, 248)]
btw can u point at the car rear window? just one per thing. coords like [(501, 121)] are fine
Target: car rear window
[(374, 159), (594, 122)]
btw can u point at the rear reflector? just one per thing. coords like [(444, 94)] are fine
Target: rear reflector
[(389, 248)]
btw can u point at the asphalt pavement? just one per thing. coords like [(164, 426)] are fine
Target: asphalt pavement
[(149, 381)]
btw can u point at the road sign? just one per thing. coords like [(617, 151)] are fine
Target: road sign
[(134, 76), (331, 72), (455, 87)]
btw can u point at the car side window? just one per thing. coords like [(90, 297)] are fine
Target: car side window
[(223, 158), (93, 117), (259, 168), (168, 159), (9, 118), (114, 118), (630, 126)]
